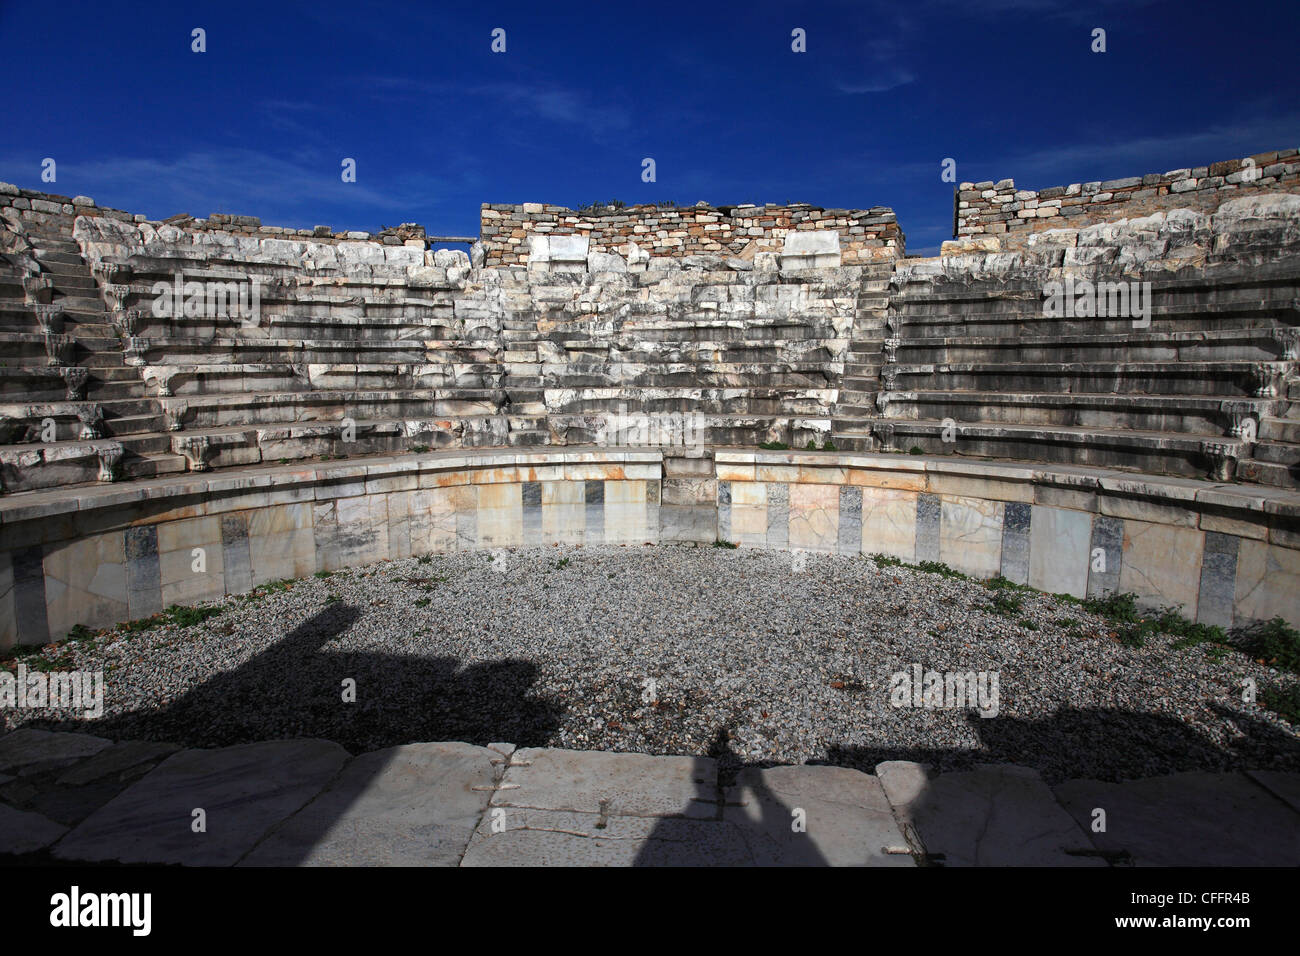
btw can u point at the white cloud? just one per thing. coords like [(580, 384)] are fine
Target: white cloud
[(891, 80)]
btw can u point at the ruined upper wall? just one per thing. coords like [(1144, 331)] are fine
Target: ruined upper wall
[(1000, 209), (34, 202), (741, 231)]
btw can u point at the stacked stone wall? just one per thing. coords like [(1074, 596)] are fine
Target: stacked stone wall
[(1000, 209), (31, 203), (728, 231)]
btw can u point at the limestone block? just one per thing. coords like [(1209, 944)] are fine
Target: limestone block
[(606, 262), (563, 512), (1268, 582), (186, 577), (399, 525), (25, 747), (626, 514), (558, 253), (413, 805), (1162, 565), (624, 784), (1060, 543), (995, 815), (970, 535), (362, 529), (848, 820), (86, 583), (1188, 819), (688, 523), (246, 790), (26, 832), (749, 513), (431, 521), (810, 250), (500, 515), (281, 542), (889, 522), (814, 517)]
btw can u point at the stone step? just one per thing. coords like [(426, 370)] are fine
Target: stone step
[(1279, 429), (87, 349), (861, 383), (15, 314), (717, 430), (1277, 453), (1273, 474), (81, 303), (324, 405), (255, 352), (54, 240), (852, 439), (227, 447), (61, 263), (1151, 452), (195, 379), (33, 467), (529, 437), (153, 465), (1205, 415), (54, 244), (26, 424), (100, 332), (704, 375), (1018, 320), (69, 275), (861, 370), (32, 383), (1249, 344), (1221, 278), (135, 425), (1180, 378), (743, 402), (62, 408)]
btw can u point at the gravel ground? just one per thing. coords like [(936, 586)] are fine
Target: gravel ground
[(754, 659)]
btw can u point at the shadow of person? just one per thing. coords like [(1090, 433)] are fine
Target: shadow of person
[(1108, 745), (298, 687), (753, 825), (413, 805)]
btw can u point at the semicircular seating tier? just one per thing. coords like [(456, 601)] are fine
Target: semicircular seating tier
[(1162, 346)]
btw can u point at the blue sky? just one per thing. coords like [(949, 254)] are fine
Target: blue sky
[(438, 123)]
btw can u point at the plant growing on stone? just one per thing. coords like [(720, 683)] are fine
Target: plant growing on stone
[(1283, 701), (938, 567), (1134, 626), (1273, 642), (999, 583), (1005, 604)]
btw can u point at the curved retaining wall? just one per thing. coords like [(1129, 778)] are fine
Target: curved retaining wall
[(1225, 553)]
